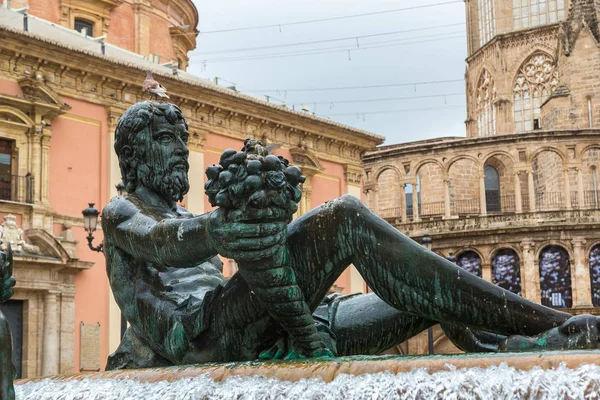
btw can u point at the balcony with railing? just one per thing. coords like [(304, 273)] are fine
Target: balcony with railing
[(18, 189)]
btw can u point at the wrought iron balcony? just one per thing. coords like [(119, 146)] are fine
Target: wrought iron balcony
[(16, 188)]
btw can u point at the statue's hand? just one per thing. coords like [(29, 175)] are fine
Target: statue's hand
[(235, 238)]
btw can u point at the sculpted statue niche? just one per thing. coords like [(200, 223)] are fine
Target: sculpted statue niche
[(166, 278)]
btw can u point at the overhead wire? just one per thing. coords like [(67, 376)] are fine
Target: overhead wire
[(356, 37), (330, 18), (377, 100), (336, 49), (392, 111), (414, 84)]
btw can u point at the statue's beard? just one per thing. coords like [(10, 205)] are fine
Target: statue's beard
[(171, 183)]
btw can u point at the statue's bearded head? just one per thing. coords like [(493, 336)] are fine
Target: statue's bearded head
[(151, 143)]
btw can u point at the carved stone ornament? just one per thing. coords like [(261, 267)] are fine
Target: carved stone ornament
[(11, 234)]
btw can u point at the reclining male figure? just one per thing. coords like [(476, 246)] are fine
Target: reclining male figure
[(165, 276)]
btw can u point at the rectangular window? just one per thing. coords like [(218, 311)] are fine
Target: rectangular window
[(82, 24), (487, 21), (531, 13)]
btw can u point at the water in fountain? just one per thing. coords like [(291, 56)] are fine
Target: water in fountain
[(500, 382)]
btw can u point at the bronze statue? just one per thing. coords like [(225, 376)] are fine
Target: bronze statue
[(7, 369), (166, 278)]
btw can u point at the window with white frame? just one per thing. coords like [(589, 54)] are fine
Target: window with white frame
[(486, 113), (535, 81), (530, 13), (487, 21)]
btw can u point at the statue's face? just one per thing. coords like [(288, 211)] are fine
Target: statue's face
[(166, 164)]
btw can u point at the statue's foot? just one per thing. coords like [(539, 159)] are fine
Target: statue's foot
[(284, 349), (578, 333)]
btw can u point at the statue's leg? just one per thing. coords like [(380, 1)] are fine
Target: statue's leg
[(403, 273)]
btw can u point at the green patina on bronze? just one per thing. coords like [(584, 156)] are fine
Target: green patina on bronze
[(167, 280), (7, 369)]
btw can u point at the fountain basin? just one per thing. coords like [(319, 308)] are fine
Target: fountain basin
[(328, 370), (564, 375)]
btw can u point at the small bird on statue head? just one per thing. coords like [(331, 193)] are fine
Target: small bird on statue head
[(154, 88)]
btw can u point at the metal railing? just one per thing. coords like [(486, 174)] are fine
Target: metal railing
[(549, 200), (16, 188), (465, 207), (591, 198), (498, 205), (432, 209)]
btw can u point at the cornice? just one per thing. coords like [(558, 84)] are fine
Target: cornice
[(111, 75), (500, 141)]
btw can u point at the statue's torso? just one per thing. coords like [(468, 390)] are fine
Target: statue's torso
[(161, 303)]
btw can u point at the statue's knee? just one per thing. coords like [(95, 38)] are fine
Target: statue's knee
[(350, 206)]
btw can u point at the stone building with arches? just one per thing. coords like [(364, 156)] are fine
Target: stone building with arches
[(516, 202)]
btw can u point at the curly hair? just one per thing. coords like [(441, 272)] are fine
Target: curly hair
[(129, 146)]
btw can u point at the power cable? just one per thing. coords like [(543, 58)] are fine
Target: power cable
[(330, 18), (415, 84), (377, 100), (330, 49), (393, 111), (323, 41)]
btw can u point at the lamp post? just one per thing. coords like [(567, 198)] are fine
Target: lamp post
[(427, 242), (90, 222)]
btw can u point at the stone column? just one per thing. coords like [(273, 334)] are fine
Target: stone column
[(518, 198), (531, 190), (530, 275), (482, 202), (50, 345), (447, 208), (45, 169), (486, 271), (580, 196), (582, 287), (567, 189), (415, 204), (67, 334), (36, 163), (403, 216)]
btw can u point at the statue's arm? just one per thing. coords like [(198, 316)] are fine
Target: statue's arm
[(175, 242)]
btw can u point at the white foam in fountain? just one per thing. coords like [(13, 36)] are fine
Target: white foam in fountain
[(501, 382)]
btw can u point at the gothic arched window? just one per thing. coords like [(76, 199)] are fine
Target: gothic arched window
[(555, 277), (487, 21), (506, 270), (595, 274), (470, 262), (530, 13), (486, 113), (534, 82)]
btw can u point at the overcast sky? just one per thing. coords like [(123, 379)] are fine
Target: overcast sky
[(419, 55)]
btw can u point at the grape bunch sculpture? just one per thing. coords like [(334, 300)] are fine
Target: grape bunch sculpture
[(253, 179)]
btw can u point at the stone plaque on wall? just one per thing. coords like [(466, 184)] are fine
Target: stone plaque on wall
[(89, 347)]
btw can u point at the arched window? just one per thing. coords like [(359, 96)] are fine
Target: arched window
[(530, 13), (487, 21), (486, 113), (81, 24), (492, 189), (534, 82), (555, 277), (506, 270), (470, 262), (595, 275)]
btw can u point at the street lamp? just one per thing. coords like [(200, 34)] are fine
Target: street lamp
[(90, 222), (427, 242)]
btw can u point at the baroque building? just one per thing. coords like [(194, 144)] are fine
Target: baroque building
[(68, 70), (517, 201)]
